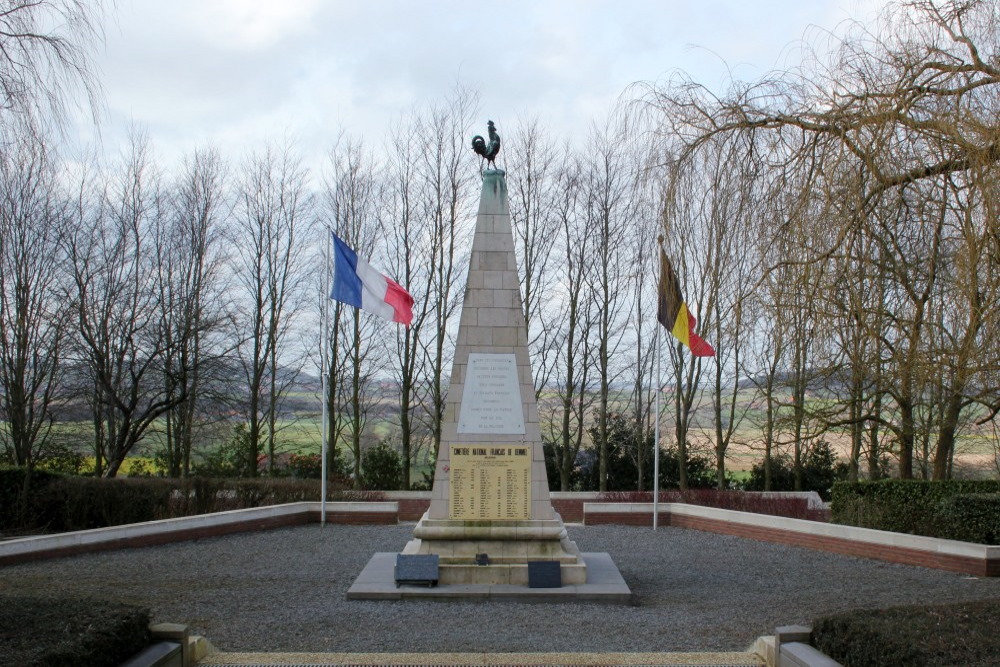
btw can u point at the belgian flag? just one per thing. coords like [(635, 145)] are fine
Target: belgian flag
[(673, 313)]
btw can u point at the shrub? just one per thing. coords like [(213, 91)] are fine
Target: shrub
[(381, 467), (860, 640), (952, 634), (230, 459), (80, 503), (904, 506), (623, 447), (16, 511), (306, 466), (60, 503), (819, 472), (971, 517), (66, 460), (52, 632)]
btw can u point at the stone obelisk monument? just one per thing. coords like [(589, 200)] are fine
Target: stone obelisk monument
[(490, 503)]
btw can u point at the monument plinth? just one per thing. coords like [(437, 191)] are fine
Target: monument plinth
[(491, 494)]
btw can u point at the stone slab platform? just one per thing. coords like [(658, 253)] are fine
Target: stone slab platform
[(604, 584), (727, 659)]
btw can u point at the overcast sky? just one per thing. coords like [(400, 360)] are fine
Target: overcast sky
[(235, 73)]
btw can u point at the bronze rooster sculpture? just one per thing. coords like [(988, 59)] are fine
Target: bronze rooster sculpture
[(487, 151)]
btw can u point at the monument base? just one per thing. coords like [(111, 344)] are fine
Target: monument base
[(509, 546), (604, 585)]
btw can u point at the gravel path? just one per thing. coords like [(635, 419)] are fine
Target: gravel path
[(284, 590)]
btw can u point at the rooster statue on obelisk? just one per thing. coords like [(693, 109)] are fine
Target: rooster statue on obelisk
[(490, 513)]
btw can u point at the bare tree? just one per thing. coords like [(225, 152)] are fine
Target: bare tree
[(188, 281), (271, 218), (446, 177), (408, 232), (352, 197), (609, 188), (45, 60), (682, 216), (33, 319), (892, 126), (533, 159), (120, 340), (575, 354)]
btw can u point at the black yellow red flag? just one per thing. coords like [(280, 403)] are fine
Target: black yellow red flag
[(673, 313)]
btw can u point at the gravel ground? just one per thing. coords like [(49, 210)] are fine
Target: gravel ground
[(284, 590)]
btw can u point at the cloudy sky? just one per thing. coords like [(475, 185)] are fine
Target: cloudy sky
[(234, 73)]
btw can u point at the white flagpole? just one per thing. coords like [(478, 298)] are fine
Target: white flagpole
[(324, 382), (656, 437)]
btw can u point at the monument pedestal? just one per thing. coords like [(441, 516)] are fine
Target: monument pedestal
[(510, 545)]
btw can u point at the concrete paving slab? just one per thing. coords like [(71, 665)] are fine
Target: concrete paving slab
[(725, 659), (604, 584)]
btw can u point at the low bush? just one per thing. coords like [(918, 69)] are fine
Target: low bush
[(306, 466), (819, 472), (53, 632), (15, 510), (971, 517), (906, 506), (198, 495), (624, 448), (80, 503), (382, 467), (953, 634), (63, 503)]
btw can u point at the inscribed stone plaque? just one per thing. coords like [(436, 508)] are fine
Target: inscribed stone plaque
[(491, 400), (490, 482)]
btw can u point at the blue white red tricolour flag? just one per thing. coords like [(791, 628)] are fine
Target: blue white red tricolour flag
[(356, 283)]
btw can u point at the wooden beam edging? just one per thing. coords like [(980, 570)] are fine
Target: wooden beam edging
[(191, 528), (969, 558)]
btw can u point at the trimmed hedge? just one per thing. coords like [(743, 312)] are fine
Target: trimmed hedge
[(919, 507), (954, 634), (60, 503), (81, 503), (14, 514), (53, 632), (972, 517), (741, 501)]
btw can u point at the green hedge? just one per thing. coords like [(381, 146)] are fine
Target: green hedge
[(60, 503), (916, 507), (972, 517), (16, 515), (954, 634), (54, 632), (81, 503)]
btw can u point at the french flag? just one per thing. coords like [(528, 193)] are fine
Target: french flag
[(355, 282)]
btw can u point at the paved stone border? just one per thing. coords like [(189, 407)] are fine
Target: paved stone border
[(191, 528), (730, 659), (976, 559), (965, 557)]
